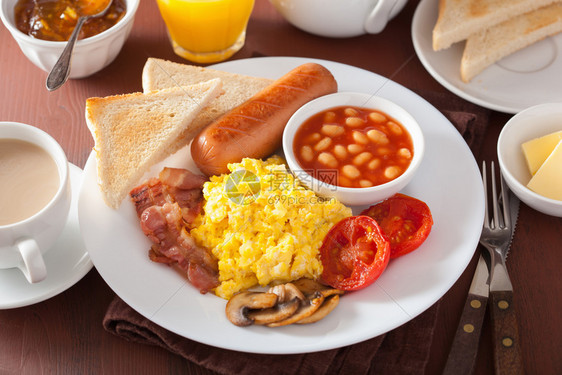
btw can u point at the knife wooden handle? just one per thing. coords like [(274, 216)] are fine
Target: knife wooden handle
[(507, 348), (465, 344)]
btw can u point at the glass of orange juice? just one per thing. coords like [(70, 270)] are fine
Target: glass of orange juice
[(206, 31)]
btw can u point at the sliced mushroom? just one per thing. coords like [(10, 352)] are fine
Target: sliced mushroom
[(287, 292), (273, 314), (304, 301), (240, 305), (306, 309), (329, 304), (332, 292), (309, 286), (288, 301)]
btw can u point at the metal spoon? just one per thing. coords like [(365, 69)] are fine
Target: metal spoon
[(61, 70)]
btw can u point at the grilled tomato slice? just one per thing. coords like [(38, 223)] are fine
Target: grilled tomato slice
[(354, 253), (406, 222)]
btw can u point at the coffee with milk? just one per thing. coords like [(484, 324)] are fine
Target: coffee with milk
[(30, 179)]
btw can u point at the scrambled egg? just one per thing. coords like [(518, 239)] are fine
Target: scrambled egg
[(263, 226)]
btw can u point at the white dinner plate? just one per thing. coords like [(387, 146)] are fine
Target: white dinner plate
[(67, 262), (523, 79), (448, 180)]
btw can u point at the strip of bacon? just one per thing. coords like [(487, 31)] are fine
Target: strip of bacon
[(162, 224), (151, 193), (185, 187), (166, 206), (172, 185), (181, 178)]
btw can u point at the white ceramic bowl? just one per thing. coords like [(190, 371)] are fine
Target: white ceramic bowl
[(355, 196), (90, 54), (528, 124)]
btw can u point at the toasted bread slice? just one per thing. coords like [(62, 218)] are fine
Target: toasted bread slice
[(132, 132), (159, 74), (491, 45), (458, 19)]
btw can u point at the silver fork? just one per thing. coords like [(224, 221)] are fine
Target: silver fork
[(496, 238)]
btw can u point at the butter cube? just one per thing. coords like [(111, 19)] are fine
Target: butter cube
[(537, 150), (548, 179)]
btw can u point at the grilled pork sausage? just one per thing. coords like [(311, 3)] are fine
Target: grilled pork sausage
[(254, 129)]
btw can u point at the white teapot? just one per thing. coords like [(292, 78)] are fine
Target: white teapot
[(339, 18)]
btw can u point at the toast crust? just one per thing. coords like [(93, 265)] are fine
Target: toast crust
[(159, 74), (458, 19), (491, 45)]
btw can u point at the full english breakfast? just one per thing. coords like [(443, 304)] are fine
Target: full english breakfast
[(247, 223), (493, 29)]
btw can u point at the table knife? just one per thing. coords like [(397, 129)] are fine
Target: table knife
[(507, 350), (467, 337)]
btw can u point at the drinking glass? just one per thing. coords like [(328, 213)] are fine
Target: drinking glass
[(206, 31)]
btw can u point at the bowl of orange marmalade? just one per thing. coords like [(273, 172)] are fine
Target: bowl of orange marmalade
[(356, 147), (42, 27)]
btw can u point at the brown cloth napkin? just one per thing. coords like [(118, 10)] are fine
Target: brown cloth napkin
[(469, 119), (405, 350)]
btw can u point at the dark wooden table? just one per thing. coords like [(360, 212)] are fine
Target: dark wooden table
[(64, 334)]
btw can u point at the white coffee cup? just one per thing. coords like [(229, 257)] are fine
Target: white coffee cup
[(339, 18), (23, 243)]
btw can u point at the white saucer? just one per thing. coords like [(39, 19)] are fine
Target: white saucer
[(526, 78), (67, 262)]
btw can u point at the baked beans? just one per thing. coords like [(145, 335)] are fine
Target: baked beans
[(365, 147)]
